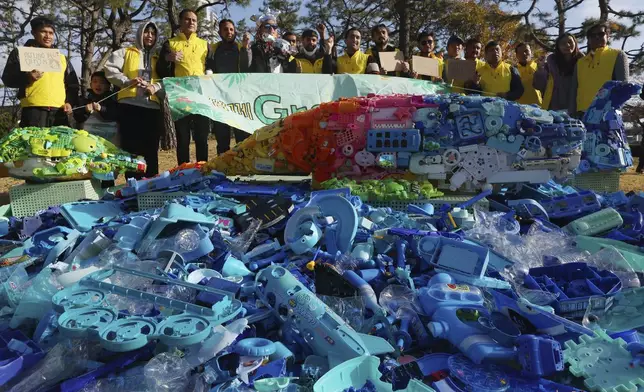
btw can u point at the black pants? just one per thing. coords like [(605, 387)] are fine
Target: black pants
[(140, 131), (640, 165), (222, 133), (43, 117), (199, 127)]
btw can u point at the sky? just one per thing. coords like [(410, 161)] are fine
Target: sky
[(587, 9)]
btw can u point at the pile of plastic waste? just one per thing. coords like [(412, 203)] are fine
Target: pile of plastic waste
[(233, 286)]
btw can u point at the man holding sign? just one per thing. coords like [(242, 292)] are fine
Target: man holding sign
[(47, 89), (380, 35)]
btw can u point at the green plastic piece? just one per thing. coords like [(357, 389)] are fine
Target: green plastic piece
[(5, 210), (386, 190), (631, 253), (604, 363), (62, 153)]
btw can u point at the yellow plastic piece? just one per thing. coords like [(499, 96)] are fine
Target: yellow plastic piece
[(310, 265)]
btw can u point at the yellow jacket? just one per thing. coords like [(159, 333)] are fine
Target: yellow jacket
[(195, 52)]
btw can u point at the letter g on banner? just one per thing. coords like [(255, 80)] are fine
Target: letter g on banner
[(261, 111)]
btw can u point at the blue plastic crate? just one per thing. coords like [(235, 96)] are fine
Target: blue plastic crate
[(574, 285)]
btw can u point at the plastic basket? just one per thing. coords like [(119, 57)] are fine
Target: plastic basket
[(401, 205), (152, 200), (28, 199), (602, 182)]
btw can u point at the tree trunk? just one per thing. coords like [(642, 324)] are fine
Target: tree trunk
[(88, 34), (561, 17), (603, 10), (402, 8)]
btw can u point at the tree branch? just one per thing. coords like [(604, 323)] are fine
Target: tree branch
[(139, 10), (209, 4)]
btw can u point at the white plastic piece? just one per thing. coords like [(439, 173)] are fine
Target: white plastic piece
[(71, 278), (365, 158), (197, 276), (526, 176)]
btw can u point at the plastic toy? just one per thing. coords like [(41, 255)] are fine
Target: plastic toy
[(62, 154), (604, 363), (85, 313), (328, 335)]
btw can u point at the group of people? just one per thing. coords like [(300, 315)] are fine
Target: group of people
[(564, 80)]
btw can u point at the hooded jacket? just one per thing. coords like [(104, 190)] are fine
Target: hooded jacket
[(129, 63), (52, 90)]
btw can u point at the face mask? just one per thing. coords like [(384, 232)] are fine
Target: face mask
[(266, 37), (307, 53)]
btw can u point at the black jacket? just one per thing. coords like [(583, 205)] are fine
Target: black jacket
[(227, 58), (260, 58), (12, 77), (108, 108), (375, 53)]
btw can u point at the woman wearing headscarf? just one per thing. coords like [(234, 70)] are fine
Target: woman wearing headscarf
[(139, 118)]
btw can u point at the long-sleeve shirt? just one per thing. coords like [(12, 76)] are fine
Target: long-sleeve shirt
[(228, 57), (55, 93)]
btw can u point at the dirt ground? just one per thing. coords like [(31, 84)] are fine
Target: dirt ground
[(630, 181)]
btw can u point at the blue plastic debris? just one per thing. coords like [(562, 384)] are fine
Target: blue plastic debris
[(240, 285)]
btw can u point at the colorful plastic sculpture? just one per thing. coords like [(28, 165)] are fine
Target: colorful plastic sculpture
[(62, 154), (460, 141)]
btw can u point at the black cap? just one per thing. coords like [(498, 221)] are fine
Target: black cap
[(309, 33), (455, 39)]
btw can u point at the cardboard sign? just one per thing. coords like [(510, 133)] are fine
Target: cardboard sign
[(461, 70), (39, 59), (426, 66), (392, 61)]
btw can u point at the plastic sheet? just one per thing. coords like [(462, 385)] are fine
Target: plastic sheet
[(167, 372)]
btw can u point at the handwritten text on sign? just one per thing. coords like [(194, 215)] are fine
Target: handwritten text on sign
[(39, 59)]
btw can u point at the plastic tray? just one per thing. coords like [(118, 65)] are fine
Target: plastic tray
[(152, 200), (28, 199), (454, 200), (83, 216), (598, 182)]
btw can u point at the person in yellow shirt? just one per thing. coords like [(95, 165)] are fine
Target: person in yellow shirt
[(185, 55), (310, 57), (426, 45), (139, 119), (46, 98), (527, 68), (600, 65), (496, 77), (353, 61)]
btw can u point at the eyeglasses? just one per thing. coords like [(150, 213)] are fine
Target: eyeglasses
[(428, 42), (597, 35), (270, 26), (293, 42)]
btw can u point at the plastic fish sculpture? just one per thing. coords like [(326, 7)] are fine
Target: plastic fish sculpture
[(62, 154), (457, 142)]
